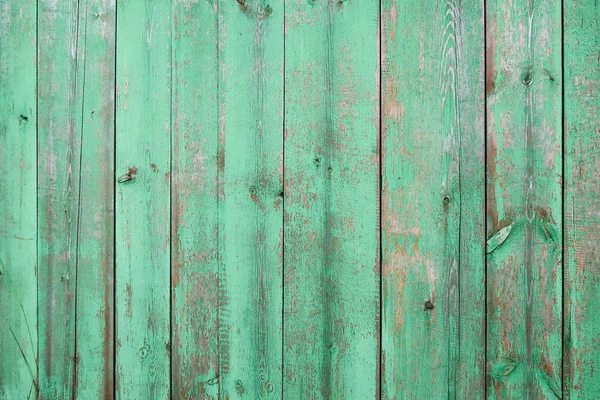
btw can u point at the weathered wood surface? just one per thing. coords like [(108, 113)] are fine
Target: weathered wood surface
[(299, 199), (143, 167), (76, 54), (94, 315), (433, 337), (581, 342), (331, 286), (195, 198), (524, 202), (18, 196), (250, 210)]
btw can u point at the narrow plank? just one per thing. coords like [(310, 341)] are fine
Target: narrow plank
[(18, 248), (250, 198), (470, 103), (143, 137), (331, 316), (95, 260), (195, 201), (524, 209), (582, 206), (433, 339)]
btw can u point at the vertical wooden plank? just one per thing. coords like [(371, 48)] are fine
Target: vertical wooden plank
[(469, 89), (331, 317), (195, 191), (250, 198), (94, 342), (582, 206), (524, 209), (433, 336), (143, 137), (60, 82), (18, 252), (75, 184)]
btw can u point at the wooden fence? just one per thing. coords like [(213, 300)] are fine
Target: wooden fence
[(301, 199)]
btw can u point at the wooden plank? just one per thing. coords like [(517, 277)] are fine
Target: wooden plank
[(524, 208), (195, 201), (18, 249), (250, 198), (143, 137), (95, 260), (331, 317), (433, 313), (75, 201), (469, 87), (60, 85), (582, 206)]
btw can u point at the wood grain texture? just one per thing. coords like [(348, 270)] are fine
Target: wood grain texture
[(250, 198), (143, 163), (195, 201), (331, 316), (433, 336), (18, 193), (582, 206), (94, 314), (524, 176), (60, 85), (75, 201), (299, 199)]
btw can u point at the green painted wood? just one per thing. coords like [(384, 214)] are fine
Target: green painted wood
[(143, 157), (94, 341), (250, 209), (331, 287), (524, 173), (75, 198), (60, 85), (582, 185), (18, 194), (195, 201), (433, 309), (250, 269)]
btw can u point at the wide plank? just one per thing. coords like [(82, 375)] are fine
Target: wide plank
[(250, 210), (433, 291), (195, 201), (524, 199), (332, 265), (143, 172)]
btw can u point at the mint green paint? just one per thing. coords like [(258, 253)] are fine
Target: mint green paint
[(59, 146), (76, 54), (194, 201), (433, 333), (230, 224), (331, 286), (18, 193), (581, 353), (524, 149), (95, 267), (143, 155), (250, 209), (75, 198)]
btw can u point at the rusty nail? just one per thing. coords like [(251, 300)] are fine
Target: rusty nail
[(125, 178)]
